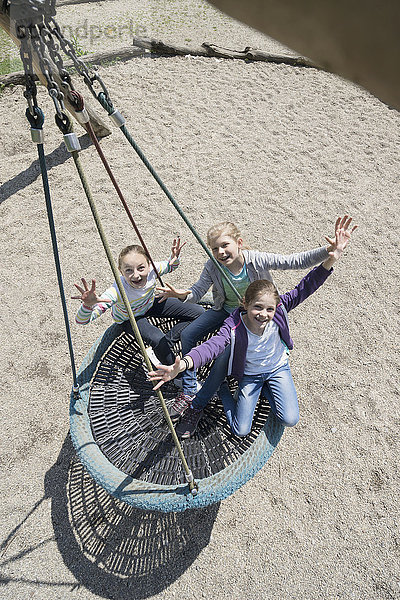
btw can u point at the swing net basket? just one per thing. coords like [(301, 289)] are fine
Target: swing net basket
[(122, 439)]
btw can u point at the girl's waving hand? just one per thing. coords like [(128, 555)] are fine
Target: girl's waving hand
[(88, 295), (170, 292), (339, 243), (342, 224), (176, 249)]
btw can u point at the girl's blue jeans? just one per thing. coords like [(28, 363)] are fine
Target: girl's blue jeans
[(206, 323), (277, 386)]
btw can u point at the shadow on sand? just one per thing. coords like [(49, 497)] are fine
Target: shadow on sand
[(111, 548), (59, 156)]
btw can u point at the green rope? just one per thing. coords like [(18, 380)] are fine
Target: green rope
[(114, 268), (36, 121), (108, 106)]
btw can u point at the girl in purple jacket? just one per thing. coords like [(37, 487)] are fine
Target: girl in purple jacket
[(257, 339)]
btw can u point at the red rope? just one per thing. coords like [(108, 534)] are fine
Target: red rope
[(79, 105)]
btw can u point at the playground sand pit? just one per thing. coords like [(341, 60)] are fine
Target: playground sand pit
[(281, 151)]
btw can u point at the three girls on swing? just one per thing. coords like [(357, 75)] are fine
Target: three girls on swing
[(253, 342)]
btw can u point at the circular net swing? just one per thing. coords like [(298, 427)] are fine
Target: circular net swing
[(122, 439), (116, 422)]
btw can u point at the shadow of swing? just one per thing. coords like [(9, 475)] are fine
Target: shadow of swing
[(114, 550), (59, 156)]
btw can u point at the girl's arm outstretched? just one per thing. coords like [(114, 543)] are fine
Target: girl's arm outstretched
[(92, 305), (301, 260)]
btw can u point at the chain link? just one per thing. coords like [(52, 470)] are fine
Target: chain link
[(26, 58), (54, 52), (40, 48), (69, 50), (89, 76)]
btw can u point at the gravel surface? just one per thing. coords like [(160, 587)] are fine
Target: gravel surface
[(282, 151)]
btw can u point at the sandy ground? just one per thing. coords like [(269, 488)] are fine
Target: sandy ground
[(282, 151)]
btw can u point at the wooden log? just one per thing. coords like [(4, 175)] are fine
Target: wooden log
[(99, 126), (141, 46), (253, 54), (159, 47), (213, 50), (68, 2)]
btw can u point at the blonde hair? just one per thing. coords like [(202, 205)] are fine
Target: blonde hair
[(133, 248), (226, 227)]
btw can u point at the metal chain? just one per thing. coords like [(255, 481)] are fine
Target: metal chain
[(69, 50), (40, 48), (54, 52), (89, 76), (26, 58)]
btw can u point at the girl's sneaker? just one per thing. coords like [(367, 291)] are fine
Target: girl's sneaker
[(188, 425), (179, 406)]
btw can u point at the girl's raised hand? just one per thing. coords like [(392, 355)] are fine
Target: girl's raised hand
[(342, 224), (162, 293), (339, 244), (164, 373), (88, 295), (342, 238), (176, 248)]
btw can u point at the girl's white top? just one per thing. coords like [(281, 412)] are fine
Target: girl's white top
[(266, 352), (140, 299)]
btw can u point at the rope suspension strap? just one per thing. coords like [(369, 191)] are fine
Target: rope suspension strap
[(83, 118), (35, 117), (119, 121), (37, 136), (72, 143)]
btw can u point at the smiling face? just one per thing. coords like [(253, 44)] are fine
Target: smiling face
[(228, 251), (260, 312), (135, 268)]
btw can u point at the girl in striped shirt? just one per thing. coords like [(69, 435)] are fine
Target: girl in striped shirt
[(139, 278)]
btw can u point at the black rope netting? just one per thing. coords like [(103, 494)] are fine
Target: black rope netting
[(129, 427)]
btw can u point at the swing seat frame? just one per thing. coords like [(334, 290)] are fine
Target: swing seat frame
[(148, 495)]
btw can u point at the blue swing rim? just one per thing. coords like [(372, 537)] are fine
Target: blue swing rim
[(150, 496)]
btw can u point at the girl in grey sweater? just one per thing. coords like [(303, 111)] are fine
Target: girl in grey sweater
[(241, 267)]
